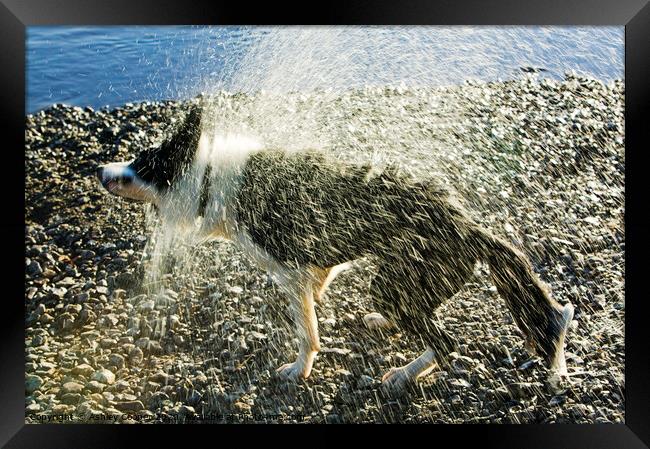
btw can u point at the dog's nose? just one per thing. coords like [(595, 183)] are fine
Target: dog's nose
[(100, 173)]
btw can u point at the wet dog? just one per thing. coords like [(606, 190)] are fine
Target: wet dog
[(303, 217)]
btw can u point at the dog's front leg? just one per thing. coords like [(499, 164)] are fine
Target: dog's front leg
[(301, 299)]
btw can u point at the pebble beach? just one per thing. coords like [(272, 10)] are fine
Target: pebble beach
[(539, 162)]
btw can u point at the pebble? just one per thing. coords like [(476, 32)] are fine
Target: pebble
[(147, 306), (136, 356), (40, 309), (120, 386), (236, 290), (95, 386), (32, 383), (186, 410), (46, 318), (104, 376), (107, 343), (116, 360), (160, 378), (460, 383), (62, 410), (258, 335), (71, 398), (33, 408), (34, 269), (82, 297), (72, 387), (129, 406), (39, 340), (157, 400)]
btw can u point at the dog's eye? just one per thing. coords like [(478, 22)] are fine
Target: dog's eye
[(124, 179)]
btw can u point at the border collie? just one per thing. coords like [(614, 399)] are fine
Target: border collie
[(303, 217)]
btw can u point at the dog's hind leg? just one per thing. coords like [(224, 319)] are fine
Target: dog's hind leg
[(299, 286), (323, 277), (318, 283), (408, 293), (397, 379), (439, 344)]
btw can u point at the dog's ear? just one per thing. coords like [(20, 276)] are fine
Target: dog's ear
[(185, 139), (191, 126), (193, 118), (163, 164)]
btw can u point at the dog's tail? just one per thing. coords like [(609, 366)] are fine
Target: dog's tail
[(543, 320)]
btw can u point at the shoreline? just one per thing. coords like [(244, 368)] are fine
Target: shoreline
[(534, 73)]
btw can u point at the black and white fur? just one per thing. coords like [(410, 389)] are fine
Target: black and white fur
[(303, 217)]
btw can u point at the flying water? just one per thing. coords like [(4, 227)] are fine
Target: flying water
[(405, 95), (515, 122), (385, 94)]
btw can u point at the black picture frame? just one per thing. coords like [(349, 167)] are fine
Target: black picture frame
[(15, 15)]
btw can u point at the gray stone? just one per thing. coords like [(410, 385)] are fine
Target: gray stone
[(129, 406), (147, 306), (116, 360), (32, 383), (71, 398), (34, 269), (84, 370), (136, 356), (39, 340), (72, 387), (95, 387), (104, 376)]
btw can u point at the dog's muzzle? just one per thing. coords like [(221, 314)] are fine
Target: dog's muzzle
[(110, 179), (120, 179)]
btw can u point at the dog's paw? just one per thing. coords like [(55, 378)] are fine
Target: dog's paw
[(397, 380), (374, 321), (292, 371)]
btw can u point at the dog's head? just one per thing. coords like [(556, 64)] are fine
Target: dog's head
[(156, 169)]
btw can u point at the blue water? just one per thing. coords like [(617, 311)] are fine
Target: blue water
[(110, 66)]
